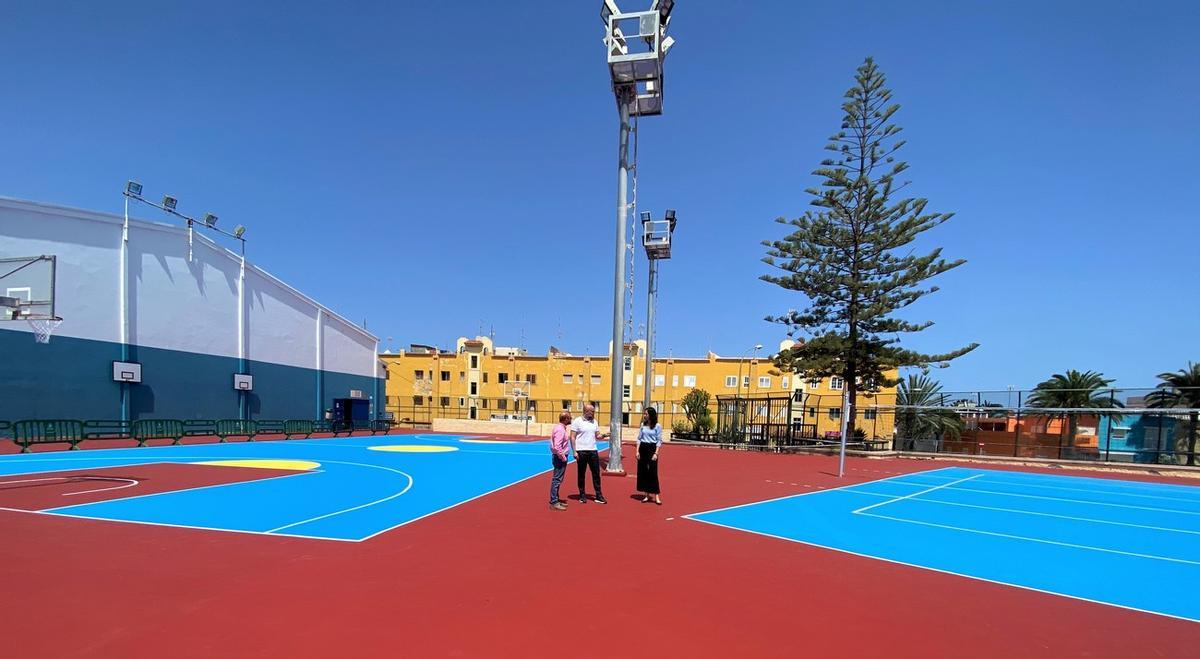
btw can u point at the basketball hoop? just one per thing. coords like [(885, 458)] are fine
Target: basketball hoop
[(43, 328)]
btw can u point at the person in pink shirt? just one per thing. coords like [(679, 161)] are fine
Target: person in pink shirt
[(560, 448)]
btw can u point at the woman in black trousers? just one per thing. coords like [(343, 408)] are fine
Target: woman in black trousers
[(649, 443)]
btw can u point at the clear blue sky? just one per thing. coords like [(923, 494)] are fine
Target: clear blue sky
[(434, 167)]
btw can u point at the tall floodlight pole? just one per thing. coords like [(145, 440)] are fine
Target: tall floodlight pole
[(636, 44), (656, 238)]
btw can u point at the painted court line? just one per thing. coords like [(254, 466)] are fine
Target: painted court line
[(1036, 513), (940, 570), (914, 494), (408, 487), (129, 482), (1102, 492), (1029, 539), (1049, 498)]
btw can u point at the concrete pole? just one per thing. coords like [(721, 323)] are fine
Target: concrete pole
[(618, 341), (651, 299)]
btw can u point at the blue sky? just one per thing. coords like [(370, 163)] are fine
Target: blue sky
[(437, 167)]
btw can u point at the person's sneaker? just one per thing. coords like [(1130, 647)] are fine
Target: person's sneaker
[(558, 505), (583, 498), (601, 500)]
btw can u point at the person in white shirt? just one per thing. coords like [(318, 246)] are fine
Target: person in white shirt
[(584, 432)]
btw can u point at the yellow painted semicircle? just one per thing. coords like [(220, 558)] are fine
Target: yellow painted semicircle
[(293, 465), (413, 448)]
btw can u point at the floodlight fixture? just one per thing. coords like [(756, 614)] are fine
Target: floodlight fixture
[(666, 45), (210, 220), (133, 189), (670, 217), (239, 231), (645, 216), (663, 7), (169, 203)]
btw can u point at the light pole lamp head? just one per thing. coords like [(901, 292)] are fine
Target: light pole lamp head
[(169, 203), (239, 231), (133, 189), (210, 220)]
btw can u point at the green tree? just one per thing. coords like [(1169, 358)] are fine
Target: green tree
[(853, 255), (919, 414), (1180, 389), (695, 408), (1071, 390)]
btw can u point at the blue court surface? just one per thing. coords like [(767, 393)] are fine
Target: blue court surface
[(353, 489), (1129, 544)]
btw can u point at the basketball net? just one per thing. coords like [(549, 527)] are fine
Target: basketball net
[(43, 328)]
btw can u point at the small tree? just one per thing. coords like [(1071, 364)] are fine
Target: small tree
[(695, 408), (853, 257), (917, 416), (1180, 389)]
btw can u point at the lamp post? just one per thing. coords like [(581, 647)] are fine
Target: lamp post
[(636, 44), (656, 239), (737, 401)]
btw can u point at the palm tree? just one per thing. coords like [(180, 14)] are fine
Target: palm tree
[(918, 415), (1180, 389), (1073, 389)]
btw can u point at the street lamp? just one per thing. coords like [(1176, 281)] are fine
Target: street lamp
[(656, 239), (635, 48)]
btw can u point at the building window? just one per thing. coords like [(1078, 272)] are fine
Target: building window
[(783, 382), (869, 415), (689, 381), (474, 361), (674, 380), (531, 405), (730, 381), (418, 400), (462, 401), (625, 391), (596, 404), (502, 404), (595, 379), (629, 363), (814, 384), (474, 388), (502, 377), (445, 376), (835, 412), (418, 375), (812, 411), (485, 376), (660, 380), (566, 404), (579, 406), (764, 382), (746, 381), (638, 380), (445, 401), (531, 378), (462, 376), (835, 383), (567, 379), (674, 408), (1119, 433)]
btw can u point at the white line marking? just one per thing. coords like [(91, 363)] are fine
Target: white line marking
[(1110, 493), (1037, 513), (918, 493), (129, 482), (186, 489), (1028, 539), (949, 572), (1081, 501), (804, 494), (408, 487)]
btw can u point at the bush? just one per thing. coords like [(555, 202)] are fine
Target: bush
[(695, 407), (681, 427), (704, 424)]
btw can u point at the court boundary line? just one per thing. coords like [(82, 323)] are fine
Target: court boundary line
[(1113, 493), (411, 481), (1082, 501), (1029, 539), (941, 570), (916, 494), (1033, 512), (186, 489)]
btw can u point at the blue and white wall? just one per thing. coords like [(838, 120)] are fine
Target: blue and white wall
[(192, 322)]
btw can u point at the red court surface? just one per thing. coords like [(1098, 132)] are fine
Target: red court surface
[(42, 491), (503, 576)]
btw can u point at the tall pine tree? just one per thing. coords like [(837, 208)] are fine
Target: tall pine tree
[(852, 256)]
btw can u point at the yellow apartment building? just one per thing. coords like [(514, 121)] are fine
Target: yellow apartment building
[(474, 381)]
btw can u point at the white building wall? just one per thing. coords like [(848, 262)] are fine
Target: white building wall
[(174, 303)]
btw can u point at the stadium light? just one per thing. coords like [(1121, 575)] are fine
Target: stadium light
[(635, 68), (656, 239), (239, 231), (169, 203), (210, 220), (133, 189)]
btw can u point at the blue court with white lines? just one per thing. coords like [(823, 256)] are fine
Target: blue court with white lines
[(335, 489), (1124, 543)]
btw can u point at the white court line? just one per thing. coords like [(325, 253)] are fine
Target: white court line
[(129, 482), (1081, 501), (942, 571), (1090, 491), (1033, 512), (918, 493), (186, 489), (804, 494), (1112, 483), (1037, 540), (408, 487)]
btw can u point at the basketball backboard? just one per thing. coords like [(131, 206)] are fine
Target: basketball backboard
[(27, 288)]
